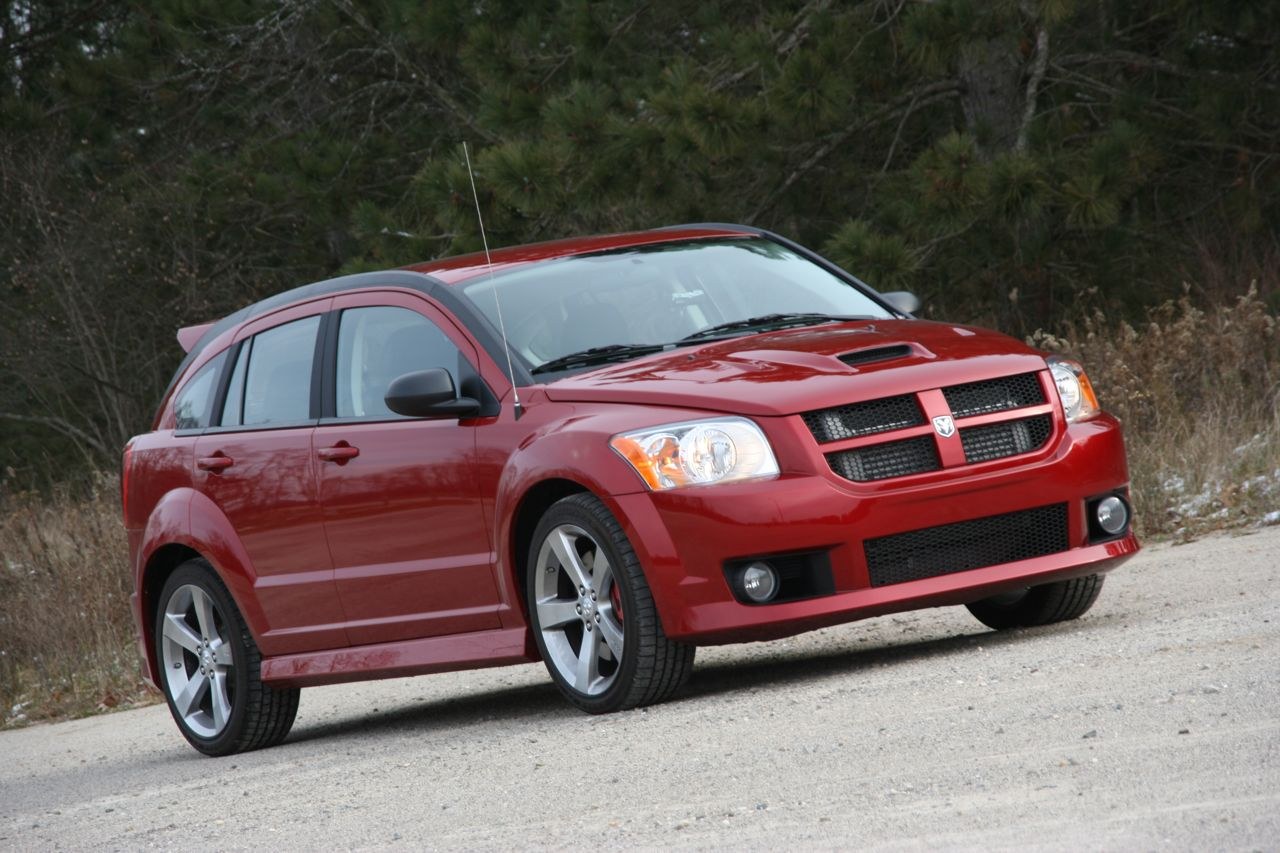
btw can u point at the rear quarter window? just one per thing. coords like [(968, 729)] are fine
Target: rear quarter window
[(193, 406)]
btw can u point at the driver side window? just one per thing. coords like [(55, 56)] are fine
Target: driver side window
[(375, 346)]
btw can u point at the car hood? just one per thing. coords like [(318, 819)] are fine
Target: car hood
[(797, 370)]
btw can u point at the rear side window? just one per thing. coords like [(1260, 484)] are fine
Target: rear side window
[(194, 404), (277, 383), (375, 346)]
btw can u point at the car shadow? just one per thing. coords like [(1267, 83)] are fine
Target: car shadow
[(480, 708), (842, 655)]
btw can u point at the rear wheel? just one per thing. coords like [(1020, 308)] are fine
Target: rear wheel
[(1038, 605), (210, 666), (593, 616)]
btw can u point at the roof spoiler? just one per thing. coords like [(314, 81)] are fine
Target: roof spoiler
[(190, 335)]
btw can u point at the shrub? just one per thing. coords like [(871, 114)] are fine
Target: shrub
[(66, 633), (1198, 391)]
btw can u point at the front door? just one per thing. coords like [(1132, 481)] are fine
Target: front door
[(402, 512)]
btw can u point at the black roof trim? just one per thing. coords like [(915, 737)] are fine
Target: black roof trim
[(489, 337), (476, 323)]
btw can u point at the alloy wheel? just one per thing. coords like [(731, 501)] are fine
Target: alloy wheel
[(198, 661), (579, 610)]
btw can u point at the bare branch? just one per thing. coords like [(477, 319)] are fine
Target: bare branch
[(924, 95), (62, 426), (1039, 64)]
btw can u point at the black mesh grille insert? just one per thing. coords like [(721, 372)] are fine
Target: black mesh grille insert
[(864, 418), (994, 395), (1008, 438), (966, 545), (891, 459)]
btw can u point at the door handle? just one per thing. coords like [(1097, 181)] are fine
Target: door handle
[(339, 453), (217, 462)]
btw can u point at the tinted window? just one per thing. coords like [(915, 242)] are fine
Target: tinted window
[(277, 386), (233, 407), (194, 404), (376, 345), (658, 294)]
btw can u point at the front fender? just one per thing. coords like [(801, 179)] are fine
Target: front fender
[(575, 448)]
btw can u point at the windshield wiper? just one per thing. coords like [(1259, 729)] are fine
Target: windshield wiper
[(598, 355), (766, 322)]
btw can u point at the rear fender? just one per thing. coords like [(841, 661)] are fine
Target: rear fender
[(189, 519)]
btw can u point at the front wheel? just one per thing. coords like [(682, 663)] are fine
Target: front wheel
[(592, 614), (1038, 605), (210, 667)]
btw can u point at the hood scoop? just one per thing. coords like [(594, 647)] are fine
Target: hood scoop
[(866, 356)]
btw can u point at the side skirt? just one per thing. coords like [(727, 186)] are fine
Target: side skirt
[(394, 660)]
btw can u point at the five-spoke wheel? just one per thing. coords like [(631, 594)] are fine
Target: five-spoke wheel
[(209, 667), (579, 609), (593, 616), (197, 660)]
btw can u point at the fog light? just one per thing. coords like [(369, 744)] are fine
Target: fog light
[(1112, 514), (759, 582)]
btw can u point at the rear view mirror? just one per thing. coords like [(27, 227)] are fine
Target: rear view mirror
[(901, 300), (428, 394)]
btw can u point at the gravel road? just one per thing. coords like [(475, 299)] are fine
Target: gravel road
[(1152, 722)]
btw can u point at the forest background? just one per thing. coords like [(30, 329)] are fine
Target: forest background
[(1100, 178)]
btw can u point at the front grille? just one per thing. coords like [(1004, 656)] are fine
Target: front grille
[(1007, 438), (966, 545), (891, 459), (864, 418), (994, 395)]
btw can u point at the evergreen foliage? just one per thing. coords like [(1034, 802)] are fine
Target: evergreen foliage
[(163, 163)]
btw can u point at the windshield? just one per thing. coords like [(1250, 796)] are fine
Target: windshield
[(660, 294)]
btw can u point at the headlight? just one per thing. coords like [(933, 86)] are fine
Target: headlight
[(1078, 400), (697, 453)]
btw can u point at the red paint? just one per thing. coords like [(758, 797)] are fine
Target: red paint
[(377, 549)]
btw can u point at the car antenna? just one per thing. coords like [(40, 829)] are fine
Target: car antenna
[(502, 327)]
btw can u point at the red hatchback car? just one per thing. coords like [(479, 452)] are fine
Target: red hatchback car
[(599, 453)]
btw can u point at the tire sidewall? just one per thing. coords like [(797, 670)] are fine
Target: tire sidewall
[(198, 573), (569, 512)]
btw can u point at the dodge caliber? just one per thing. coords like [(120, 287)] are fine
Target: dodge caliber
[(599, 453)]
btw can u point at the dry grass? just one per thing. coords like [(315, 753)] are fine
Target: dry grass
[(66, 634), (1198, 391), (1199, 394)]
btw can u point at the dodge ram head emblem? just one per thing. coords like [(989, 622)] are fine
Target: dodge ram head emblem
[(945, 426)]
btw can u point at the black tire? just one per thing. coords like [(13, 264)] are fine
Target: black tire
[(1039, 605), (258, 715), (652, 668)]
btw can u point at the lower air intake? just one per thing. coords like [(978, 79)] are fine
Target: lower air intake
[(975, 544)]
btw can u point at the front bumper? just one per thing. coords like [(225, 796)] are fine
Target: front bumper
[(685, 537)]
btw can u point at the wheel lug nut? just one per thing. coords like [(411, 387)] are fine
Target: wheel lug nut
[(579, 608)]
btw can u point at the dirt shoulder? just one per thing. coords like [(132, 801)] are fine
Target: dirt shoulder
[(1151, 721)]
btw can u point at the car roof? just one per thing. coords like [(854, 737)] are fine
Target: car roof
[(432, 277), (464, 267)]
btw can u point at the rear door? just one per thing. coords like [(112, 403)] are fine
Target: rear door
[(258, 465), (402, 513)]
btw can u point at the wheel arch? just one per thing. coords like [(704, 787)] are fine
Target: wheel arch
[(162, 563), (533, 504)]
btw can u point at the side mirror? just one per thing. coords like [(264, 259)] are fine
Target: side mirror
[(901, 300), (428, 394)]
